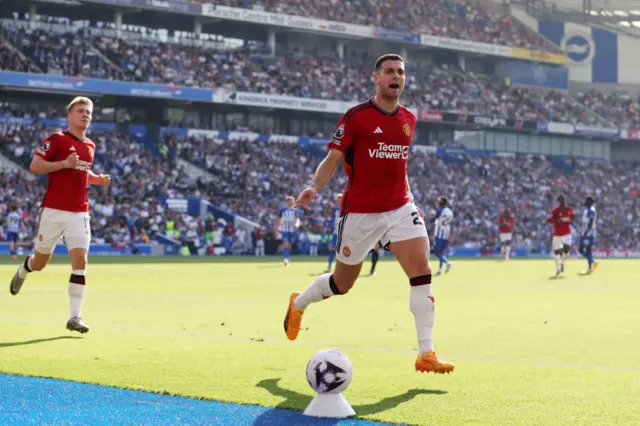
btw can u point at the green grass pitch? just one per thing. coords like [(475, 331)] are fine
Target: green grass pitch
[(528, 350)]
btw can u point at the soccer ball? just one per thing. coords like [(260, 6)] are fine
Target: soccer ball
[(329, 371)]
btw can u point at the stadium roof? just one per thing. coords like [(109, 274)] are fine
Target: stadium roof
[(625, 13)]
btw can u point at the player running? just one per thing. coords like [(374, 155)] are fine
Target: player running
[(561, 218), (442, 232), (287, 223), (333, 225), (374, 138), (506, 233), (588, 236), (66, 157), (14, 223)]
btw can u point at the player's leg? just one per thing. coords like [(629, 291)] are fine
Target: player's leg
[(566, 249), (332, 251), (410, 244), (583, 251), (556, 247), (286, 246), (375, 255), (48, 233), (77, 236), (323, 287), (357, 234), (593, 265), (507, 248), (441, 246), (13, 237)]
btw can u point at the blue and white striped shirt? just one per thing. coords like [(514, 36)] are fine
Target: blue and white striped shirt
[(586, 218), (13, 222), (288, 219), (444, 217)]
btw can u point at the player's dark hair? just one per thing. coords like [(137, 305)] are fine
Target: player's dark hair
[(590, 199), (443, 201), (387, 57)]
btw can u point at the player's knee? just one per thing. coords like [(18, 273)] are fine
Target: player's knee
[(341, 286), (79, 264)]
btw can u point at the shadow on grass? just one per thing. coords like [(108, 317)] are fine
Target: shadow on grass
[(34, 341), (297, 401)]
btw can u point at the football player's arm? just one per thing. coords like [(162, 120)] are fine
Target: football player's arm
[(326, 169), (95, 179), (551, 219), (438, 213), (40, 166)]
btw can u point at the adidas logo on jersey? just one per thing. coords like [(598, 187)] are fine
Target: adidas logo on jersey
[(73, 148), (377, 130)]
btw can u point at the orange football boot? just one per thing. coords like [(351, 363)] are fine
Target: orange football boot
[(430, 363), (293, 319)]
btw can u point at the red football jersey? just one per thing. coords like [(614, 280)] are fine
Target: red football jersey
[(506, 224), (67, 188), (376, 148), (562, 220)]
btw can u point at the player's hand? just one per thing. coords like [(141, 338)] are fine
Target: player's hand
[(420, 212), (71, 162), (105, 180), (305, 197)]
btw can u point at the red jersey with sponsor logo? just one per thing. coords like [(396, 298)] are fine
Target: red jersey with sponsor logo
[(67, 188), (561, 218), (506, 224), (376, 148)]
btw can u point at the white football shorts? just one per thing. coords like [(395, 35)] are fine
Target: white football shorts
[(358, 233), (74, 227)]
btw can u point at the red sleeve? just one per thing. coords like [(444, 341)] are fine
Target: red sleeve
[(344, 135), (49, 148), (553, 217)]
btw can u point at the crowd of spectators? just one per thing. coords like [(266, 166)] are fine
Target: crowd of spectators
[(461, 19), (255, 176), (316, 73), (251, 178)]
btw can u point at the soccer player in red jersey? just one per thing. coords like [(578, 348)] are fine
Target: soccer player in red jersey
[(374, 138), (66, 158), (506, 233), (561, 218)]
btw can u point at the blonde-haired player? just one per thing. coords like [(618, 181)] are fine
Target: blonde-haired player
[(66, 158), (287, 224)]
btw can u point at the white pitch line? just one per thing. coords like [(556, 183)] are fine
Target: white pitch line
[(342, 347)]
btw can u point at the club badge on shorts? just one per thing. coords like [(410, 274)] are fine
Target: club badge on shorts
[(346, 252)]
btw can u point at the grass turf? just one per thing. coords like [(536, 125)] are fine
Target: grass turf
[(528, 350)]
